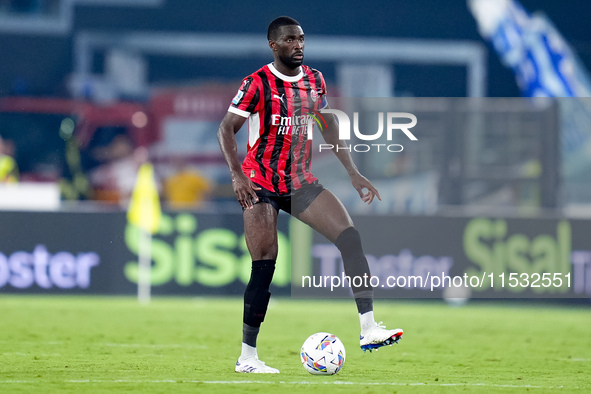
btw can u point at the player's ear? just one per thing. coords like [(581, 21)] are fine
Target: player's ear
[(272, 45)]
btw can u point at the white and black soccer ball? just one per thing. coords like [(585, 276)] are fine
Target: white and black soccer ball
[(323, 354)]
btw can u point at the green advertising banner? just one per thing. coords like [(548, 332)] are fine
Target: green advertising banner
[(197, 254), (97, 253)]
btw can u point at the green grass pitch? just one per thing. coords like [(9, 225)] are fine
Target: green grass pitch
[(174, 345)]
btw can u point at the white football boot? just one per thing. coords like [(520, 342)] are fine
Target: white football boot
[(377, 336), (253, 365)]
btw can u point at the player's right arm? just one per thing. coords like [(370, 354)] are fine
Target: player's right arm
[(243, 187)]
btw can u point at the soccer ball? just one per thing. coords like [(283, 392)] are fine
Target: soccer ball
[(323, 354)]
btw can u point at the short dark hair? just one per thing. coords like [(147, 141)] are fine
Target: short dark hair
[(277, 23)]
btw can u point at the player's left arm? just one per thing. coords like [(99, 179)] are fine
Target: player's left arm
[(359, 182)]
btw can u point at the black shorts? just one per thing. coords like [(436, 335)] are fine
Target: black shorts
[(294, 203)]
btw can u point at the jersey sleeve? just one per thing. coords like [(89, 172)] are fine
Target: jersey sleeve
[(247, 99)]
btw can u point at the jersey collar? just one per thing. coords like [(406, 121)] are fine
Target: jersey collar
[(284, 77)]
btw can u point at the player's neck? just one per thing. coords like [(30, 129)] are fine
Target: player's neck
[(283, 69)]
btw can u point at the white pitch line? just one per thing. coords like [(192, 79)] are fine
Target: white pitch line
[(17, 381), (148, 345), (29, 354), (528, 386), (372, 383)]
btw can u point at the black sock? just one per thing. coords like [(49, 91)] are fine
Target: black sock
[(364, 301), (256, 295), (355, 264), (249, 334)]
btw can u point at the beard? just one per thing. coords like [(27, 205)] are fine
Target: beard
[(291, 62)]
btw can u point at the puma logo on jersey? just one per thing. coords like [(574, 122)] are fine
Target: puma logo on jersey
[(279, 97)]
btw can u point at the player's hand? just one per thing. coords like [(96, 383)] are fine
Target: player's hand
[(359, 183), (244, 189)]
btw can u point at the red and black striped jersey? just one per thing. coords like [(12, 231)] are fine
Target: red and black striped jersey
[(278, 108)]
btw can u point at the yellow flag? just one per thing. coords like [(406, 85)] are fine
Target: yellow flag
[(144, 207), (8, 169)]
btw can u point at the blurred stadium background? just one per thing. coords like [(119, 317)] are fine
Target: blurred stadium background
[(499, 181), (88, 86)]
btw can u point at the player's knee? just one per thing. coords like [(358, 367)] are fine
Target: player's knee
[(265, 252), (269, 254)]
